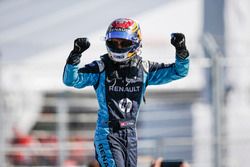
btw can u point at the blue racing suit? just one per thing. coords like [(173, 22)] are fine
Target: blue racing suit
[(120, 88)]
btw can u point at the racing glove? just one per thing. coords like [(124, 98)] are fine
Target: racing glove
[(178, 41), (80, 45)]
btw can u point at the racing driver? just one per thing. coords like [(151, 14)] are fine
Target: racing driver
[(120, 79)]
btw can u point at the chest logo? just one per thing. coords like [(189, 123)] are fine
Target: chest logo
[(125, 105)]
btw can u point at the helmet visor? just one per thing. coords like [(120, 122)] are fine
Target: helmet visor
[(119, 45)]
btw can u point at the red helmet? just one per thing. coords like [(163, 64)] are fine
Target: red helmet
[(123, 39)]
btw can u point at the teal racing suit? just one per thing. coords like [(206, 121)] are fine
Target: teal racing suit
[(120, 88)]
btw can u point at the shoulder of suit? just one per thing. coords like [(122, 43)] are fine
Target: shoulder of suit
[(145, 65), (100, 65), (101, 62)]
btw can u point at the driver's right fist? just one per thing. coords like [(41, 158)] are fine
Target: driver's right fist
[(80, 45)]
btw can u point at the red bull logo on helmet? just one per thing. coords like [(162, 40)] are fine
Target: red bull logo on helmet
[(122, 23)]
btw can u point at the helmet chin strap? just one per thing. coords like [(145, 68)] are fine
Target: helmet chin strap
[(113, 57)]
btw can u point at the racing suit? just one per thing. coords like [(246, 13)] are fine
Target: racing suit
[(120, 88)]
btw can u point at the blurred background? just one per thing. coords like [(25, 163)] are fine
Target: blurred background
[(203, 118)]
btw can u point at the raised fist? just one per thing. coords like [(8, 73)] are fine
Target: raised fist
[(80, 45), (178, 41)]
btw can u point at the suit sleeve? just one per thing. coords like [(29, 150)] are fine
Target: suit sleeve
[(160, 73), (74, 76)]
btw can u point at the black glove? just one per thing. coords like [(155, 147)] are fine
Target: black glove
[(80, 45), (178, 41)]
